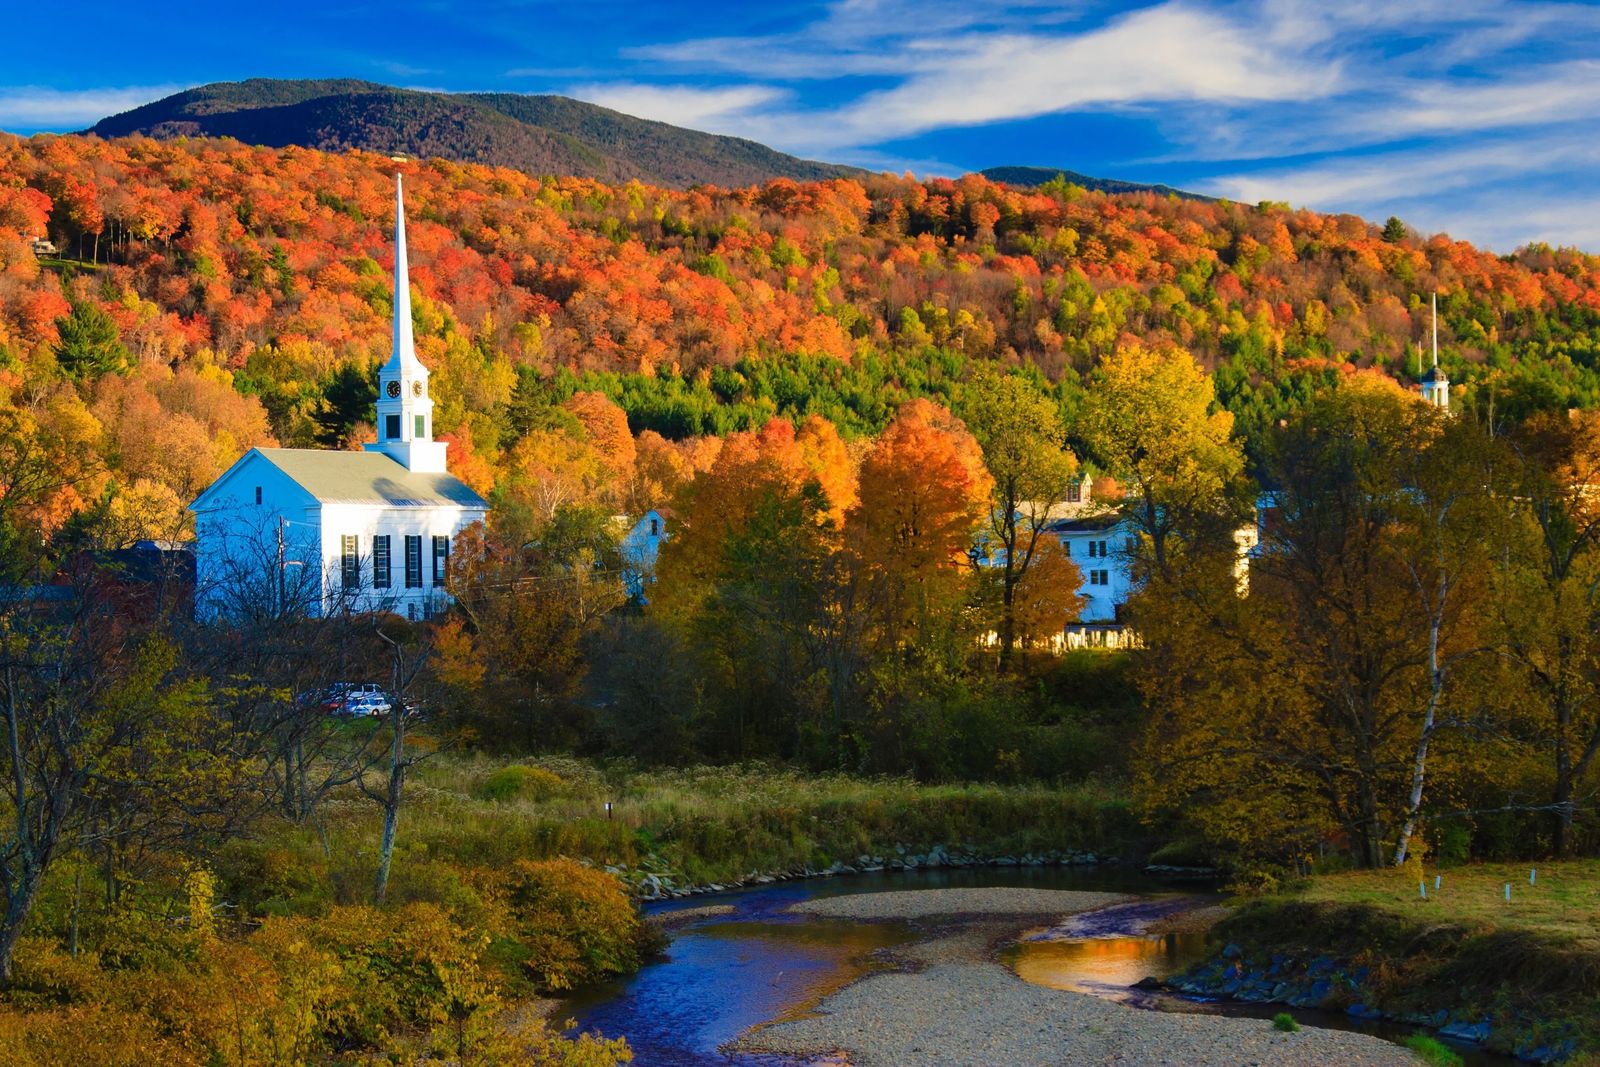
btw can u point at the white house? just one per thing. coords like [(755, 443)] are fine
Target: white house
[(639, 548), (1101, 546), (318, 530)]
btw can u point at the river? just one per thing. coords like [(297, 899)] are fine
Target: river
[(756, 962)]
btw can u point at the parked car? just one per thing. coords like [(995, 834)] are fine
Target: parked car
[(355, 698), (366, 704)]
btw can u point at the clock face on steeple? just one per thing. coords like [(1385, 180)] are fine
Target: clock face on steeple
[(393, 389), (416, 389)]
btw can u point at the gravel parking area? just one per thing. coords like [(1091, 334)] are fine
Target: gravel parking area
[(953, 1006)]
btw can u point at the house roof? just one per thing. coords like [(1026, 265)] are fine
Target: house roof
[(368, 478), (1087, 524)]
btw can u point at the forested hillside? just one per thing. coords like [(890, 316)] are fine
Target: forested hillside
[(534, 133), (229, 295)]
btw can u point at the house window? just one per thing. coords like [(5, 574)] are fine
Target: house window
[(655, 527), (413, 561), (350, 561), (1097, 549), (1099, 577), (1075, 492), (391, 427), (380, 562), (421, 432), (441, 558), (1066, 546), (258, 494)]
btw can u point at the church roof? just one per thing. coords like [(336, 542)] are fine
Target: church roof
[(369, 478), (1434, 374)]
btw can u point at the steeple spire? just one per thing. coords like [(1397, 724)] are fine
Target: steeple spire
[(1436, 328), (404, 408), (404, 355), (1435, 386)]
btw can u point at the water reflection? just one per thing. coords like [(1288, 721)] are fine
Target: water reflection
[(1106, 967), (722, 978)]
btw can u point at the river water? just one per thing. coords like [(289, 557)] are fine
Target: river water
[(723, 974)]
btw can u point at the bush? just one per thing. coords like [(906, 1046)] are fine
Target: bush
[(1431, 1051), (577, 923), (1285, 1022), (519, 782), (403, 968)]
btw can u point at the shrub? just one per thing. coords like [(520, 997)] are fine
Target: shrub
[(400, 968), (577, 922), (1431, 1051), (520, 782), (1285, 1022)]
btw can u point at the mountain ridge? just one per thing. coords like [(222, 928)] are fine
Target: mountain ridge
[(533, 133), (1032, 177)]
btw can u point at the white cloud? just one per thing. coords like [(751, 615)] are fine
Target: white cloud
[(1500, 193), (1170, 53), (30, 107), (717, 109)]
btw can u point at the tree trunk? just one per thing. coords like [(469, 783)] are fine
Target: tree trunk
[(16, 915), (391, 804), (1561, 837), (1420, 766)]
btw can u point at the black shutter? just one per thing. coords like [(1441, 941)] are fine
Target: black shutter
[(413, 561), (380, 562)]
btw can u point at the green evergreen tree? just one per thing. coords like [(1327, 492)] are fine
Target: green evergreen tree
[(89, 345)]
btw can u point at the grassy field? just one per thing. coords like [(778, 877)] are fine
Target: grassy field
[(694, 826), (1530, 966), (1563, 904)]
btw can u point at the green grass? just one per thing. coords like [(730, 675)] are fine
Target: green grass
[(1530, 966), (1431, 1051), (698, 825), (1564, 903), (1285, 1022)]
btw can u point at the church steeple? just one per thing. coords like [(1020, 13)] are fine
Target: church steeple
[(1435, 386), (405, 410)]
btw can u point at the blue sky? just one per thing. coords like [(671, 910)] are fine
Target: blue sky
[(1480, 118)]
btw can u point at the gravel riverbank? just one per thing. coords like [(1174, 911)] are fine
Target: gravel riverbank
[(952, 1005)]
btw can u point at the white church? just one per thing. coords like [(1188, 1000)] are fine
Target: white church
[(317, 530)]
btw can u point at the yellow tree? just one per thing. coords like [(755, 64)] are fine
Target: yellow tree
[(1322, 693), (1549, 599), (1022, 435), (1152, 420)]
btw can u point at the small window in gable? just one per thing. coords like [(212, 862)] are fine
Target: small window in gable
[(258, 494)]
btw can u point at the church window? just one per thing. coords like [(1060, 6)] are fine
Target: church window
[(413, 561), (421, 432), (350, 561), (380, 562), (258, 494), (391, 427), (441, 558)]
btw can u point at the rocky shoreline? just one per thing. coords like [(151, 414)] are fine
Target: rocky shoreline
[(652, 880), (1328, 984)]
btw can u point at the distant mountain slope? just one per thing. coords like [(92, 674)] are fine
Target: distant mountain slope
[(1031, 176), (537, 134)]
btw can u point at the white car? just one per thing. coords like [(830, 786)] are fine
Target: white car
[(370, 704)]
